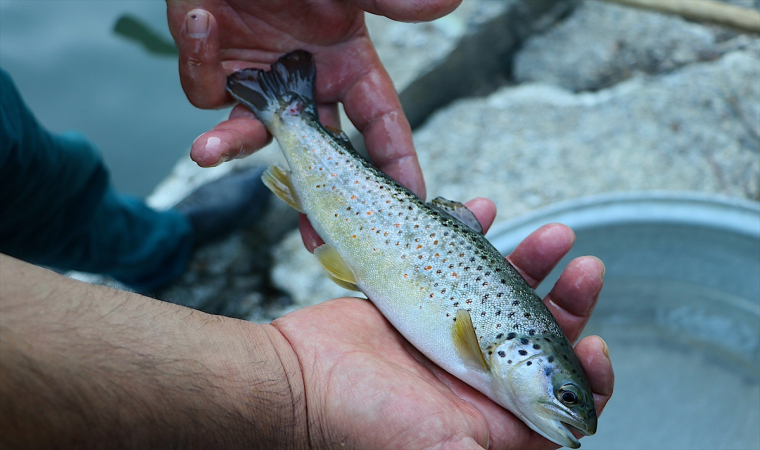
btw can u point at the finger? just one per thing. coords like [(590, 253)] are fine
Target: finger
[(484, 210), (574, 295), (595, 358), (371, 102), (200, 67), (311, 239), (328, 115), (538, 253), (406, 11), (237, 137)]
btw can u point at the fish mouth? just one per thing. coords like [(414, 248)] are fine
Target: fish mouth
[(571, 427), (559, 428)]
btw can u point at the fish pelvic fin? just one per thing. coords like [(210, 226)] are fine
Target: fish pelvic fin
[(466, 342), (278, 181), (263, 92), (336, 268), (458, 211)]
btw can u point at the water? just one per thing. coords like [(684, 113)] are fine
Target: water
[(687, 366), (75, 74)]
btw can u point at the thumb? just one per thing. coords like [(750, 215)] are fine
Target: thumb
[(200, 68)]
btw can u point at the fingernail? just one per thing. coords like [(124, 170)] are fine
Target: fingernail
[(605, 349), (197, 23)]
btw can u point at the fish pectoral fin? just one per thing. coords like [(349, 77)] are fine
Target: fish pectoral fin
[(458, 211), (336, 268), (277, 180), (466, 342)]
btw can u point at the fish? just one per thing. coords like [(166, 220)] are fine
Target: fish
[(427, 267)]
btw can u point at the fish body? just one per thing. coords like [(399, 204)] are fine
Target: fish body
[(426, 266)]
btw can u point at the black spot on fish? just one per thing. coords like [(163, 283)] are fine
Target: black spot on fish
[(550, 359), (527, 315), (523, 352), (547, 339), (515, 303), (509, 361), (511, 336), (511, 315), (524, 341), (472, 259), (502, 354), (480, 268), (536, 346), (531, 332), (529, 363), (498, 312), (548, 371), (500, 335)]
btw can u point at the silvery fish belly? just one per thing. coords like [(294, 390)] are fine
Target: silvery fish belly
[(427, 267)]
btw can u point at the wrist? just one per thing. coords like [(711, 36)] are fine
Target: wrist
[(261, 382)]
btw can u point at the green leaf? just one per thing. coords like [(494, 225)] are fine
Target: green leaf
[(133, 29)]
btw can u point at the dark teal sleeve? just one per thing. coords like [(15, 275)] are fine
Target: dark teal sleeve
[(58, 209)]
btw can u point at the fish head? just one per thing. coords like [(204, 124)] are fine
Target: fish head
[(540, 379)]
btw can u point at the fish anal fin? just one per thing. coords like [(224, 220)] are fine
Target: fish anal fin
[(336, 268), (277, 180), (466, 342), (459, 212)]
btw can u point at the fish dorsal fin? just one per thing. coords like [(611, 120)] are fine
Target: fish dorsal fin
[(466, 341), (277, 180), (336, 268), (458, 211)]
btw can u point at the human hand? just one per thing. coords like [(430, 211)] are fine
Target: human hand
[(367, 387), (218, 37)]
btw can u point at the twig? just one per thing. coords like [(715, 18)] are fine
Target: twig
[(744, 19)]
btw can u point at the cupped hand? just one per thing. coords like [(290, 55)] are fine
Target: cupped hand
[(367, 387), (218, 37)]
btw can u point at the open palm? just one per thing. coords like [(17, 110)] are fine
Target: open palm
[(366, 387)]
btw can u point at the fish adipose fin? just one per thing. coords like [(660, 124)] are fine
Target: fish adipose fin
[(336, 268), (277, 180), (466, 342), (458, 211), (263, 92), (339, 135)]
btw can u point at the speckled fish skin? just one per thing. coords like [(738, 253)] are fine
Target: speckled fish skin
[(422, 267)]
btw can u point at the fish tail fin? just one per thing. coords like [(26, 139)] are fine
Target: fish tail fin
[(265, 91)]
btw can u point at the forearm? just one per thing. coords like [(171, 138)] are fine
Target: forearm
[(91, 367)]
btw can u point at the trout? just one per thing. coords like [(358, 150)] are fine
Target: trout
[(426, 266)]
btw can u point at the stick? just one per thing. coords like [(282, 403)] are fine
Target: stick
[(744, 19)]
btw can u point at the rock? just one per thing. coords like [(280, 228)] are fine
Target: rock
[(468, 52), (695, 129), (601, 44)]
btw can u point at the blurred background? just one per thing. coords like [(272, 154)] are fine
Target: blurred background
[(76, 73)]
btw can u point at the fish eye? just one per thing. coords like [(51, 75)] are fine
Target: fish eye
[(568, 395)]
